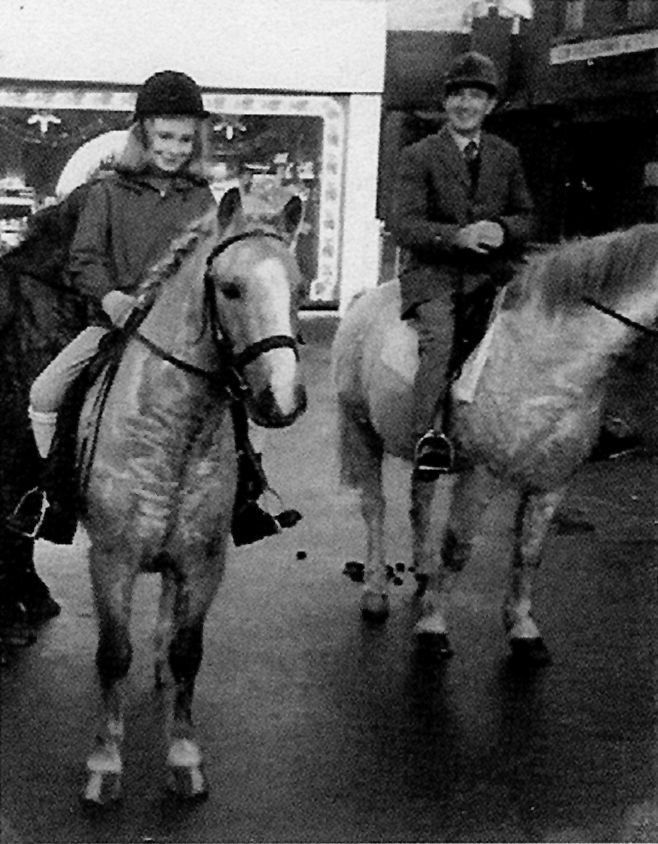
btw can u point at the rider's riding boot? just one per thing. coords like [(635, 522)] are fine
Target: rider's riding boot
[(434, 456), (611, 445), (35, 516), (250, 521)]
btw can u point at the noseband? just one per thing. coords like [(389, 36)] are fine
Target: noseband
[(235, 363)]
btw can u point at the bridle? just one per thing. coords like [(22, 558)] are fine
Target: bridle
[(231, 379)]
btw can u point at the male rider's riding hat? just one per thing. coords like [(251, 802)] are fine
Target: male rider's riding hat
[(169, 93), (472, 70)]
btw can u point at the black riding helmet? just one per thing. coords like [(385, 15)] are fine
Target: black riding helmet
[(472, 70), (169, 93)]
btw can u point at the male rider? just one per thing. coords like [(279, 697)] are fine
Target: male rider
[(463, 212)]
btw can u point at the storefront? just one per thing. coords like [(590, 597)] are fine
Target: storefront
[(599, 99), (293, 88)]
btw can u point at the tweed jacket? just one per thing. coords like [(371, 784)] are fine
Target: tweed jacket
[(434, 200)]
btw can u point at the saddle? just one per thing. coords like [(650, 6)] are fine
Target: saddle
[(472, 320)]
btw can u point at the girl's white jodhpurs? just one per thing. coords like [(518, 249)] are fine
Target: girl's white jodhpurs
[(43, 428)]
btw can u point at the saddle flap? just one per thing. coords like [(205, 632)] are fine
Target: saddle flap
[(65, 469)]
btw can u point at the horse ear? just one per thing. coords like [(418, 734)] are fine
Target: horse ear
[(230, 206), (291, 216)]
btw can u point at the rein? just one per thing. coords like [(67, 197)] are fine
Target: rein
[(652, 332), (236, 385)]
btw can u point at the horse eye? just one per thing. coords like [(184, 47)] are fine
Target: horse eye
[(230, 291)]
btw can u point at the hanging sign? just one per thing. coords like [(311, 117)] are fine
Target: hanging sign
[(617, 45)]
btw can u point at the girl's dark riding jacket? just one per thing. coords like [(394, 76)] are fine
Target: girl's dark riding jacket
[(128, 222)]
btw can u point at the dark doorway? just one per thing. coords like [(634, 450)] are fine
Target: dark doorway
[(605, 175)]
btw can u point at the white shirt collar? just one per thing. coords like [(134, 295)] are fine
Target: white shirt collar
[(462, 142)]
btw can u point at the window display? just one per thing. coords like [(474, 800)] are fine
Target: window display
[(272, 145)]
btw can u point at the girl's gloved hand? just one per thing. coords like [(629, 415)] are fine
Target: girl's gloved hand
[(118, 306)]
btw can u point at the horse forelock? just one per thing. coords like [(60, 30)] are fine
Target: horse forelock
[(607, 267)]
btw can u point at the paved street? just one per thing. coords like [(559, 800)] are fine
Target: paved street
[(318, 728)]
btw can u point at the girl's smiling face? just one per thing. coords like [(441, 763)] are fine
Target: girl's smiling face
[(170, 142)]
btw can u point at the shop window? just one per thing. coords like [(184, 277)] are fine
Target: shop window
[(272, 146), (574, 16)]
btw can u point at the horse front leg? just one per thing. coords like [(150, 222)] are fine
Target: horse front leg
[(423, 545), (470, 495), (193, 596), (163, 631), (113, 588), (533, 519)]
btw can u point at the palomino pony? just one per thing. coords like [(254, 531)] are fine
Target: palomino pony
[(526, 411), (162, 485)]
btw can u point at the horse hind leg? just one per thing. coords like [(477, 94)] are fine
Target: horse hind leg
[(420, 518), (361, 455), (113, 595), (533, 519)]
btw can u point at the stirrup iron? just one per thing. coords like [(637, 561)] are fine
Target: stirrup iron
[(43, 509)]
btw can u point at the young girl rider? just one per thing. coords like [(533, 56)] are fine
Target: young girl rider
[(157, 189)]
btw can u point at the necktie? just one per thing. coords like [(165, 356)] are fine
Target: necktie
[(472, 160)]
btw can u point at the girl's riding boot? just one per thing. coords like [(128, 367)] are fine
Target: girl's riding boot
[(35, 517), (250, 521)]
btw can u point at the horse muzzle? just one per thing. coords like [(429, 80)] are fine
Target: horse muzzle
[(265, 409)]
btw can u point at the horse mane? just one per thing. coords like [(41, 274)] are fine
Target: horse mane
[(605, 267), (197, 232), (255, 216)]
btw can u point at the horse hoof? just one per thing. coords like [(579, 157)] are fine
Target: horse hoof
[(187, 784), (529, 652), (436, 645), (355, 571), (102, 791), (374, 607)]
